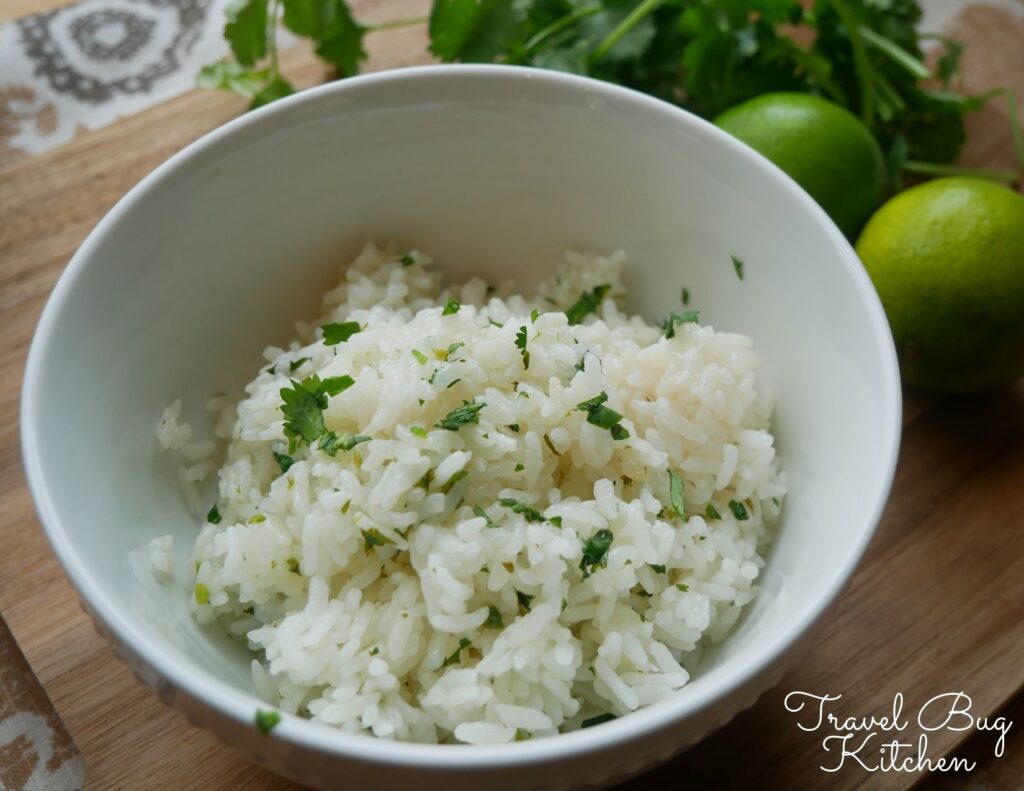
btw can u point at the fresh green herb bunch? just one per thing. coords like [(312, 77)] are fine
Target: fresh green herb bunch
[(709, 55), (705, 55)]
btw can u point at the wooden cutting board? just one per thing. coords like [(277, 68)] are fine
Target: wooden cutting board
[(937, 605)]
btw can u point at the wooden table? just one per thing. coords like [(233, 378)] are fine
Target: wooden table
[(936, 606)]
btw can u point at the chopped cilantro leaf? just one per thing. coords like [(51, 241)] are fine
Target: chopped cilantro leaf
[(737, 265), (711, 512), (456, 656), (595, 551), (686, 296), (683, 587), (519, 467), (452, 384), (202, 594), (374, 538), (478, 511), (266, 721), (556, 521), (497, 324), (513, 427), (407, 260), (418, 431), (469, 412), (375, 650), (339, 333), (598, 720), (213, 515), (534, 315), (293, 565), (452, 348), (294, 365), (738, 510), (676, 319), (494, 619), (603, 417), (284, 461), (420, 356), (658, 567), (519, 507), (303, 410), (521, 345), (450, 307), (588, 303), (333, 385), (331, 443), (675, 490), (524, 600)]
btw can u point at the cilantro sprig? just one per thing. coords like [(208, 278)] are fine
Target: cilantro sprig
[(251, 33), (303, 406)]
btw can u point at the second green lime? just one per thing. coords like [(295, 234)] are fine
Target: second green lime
[(824, 148)]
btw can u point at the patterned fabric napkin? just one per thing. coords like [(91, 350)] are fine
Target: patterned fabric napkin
[(36, 752), (85, 65)]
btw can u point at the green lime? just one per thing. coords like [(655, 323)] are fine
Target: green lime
[(947, 258), (824, 148)]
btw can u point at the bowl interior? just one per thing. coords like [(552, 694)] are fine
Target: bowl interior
[(494, 172)]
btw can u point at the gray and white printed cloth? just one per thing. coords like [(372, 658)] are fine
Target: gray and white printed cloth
[(83, 66)]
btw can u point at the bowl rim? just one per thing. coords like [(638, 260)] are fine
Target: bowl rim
[(240, 706)]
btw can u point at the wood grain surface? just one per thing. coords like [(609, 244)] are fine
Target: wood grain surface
[(936, 606)]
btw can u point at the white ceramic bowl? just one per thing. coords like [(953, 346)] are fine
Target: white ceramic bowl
[(495, 171)]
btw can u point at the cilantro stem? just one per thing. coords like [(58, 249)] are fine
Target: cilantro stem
[(889, 101), (861, 63), (1015, 128), (895, 53), (394, 24), (934, 169), (272, 41), (633, 18), (559, 25)]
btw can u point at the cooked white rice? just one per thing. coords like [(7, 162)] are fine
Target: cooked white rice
[(386, 589)]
